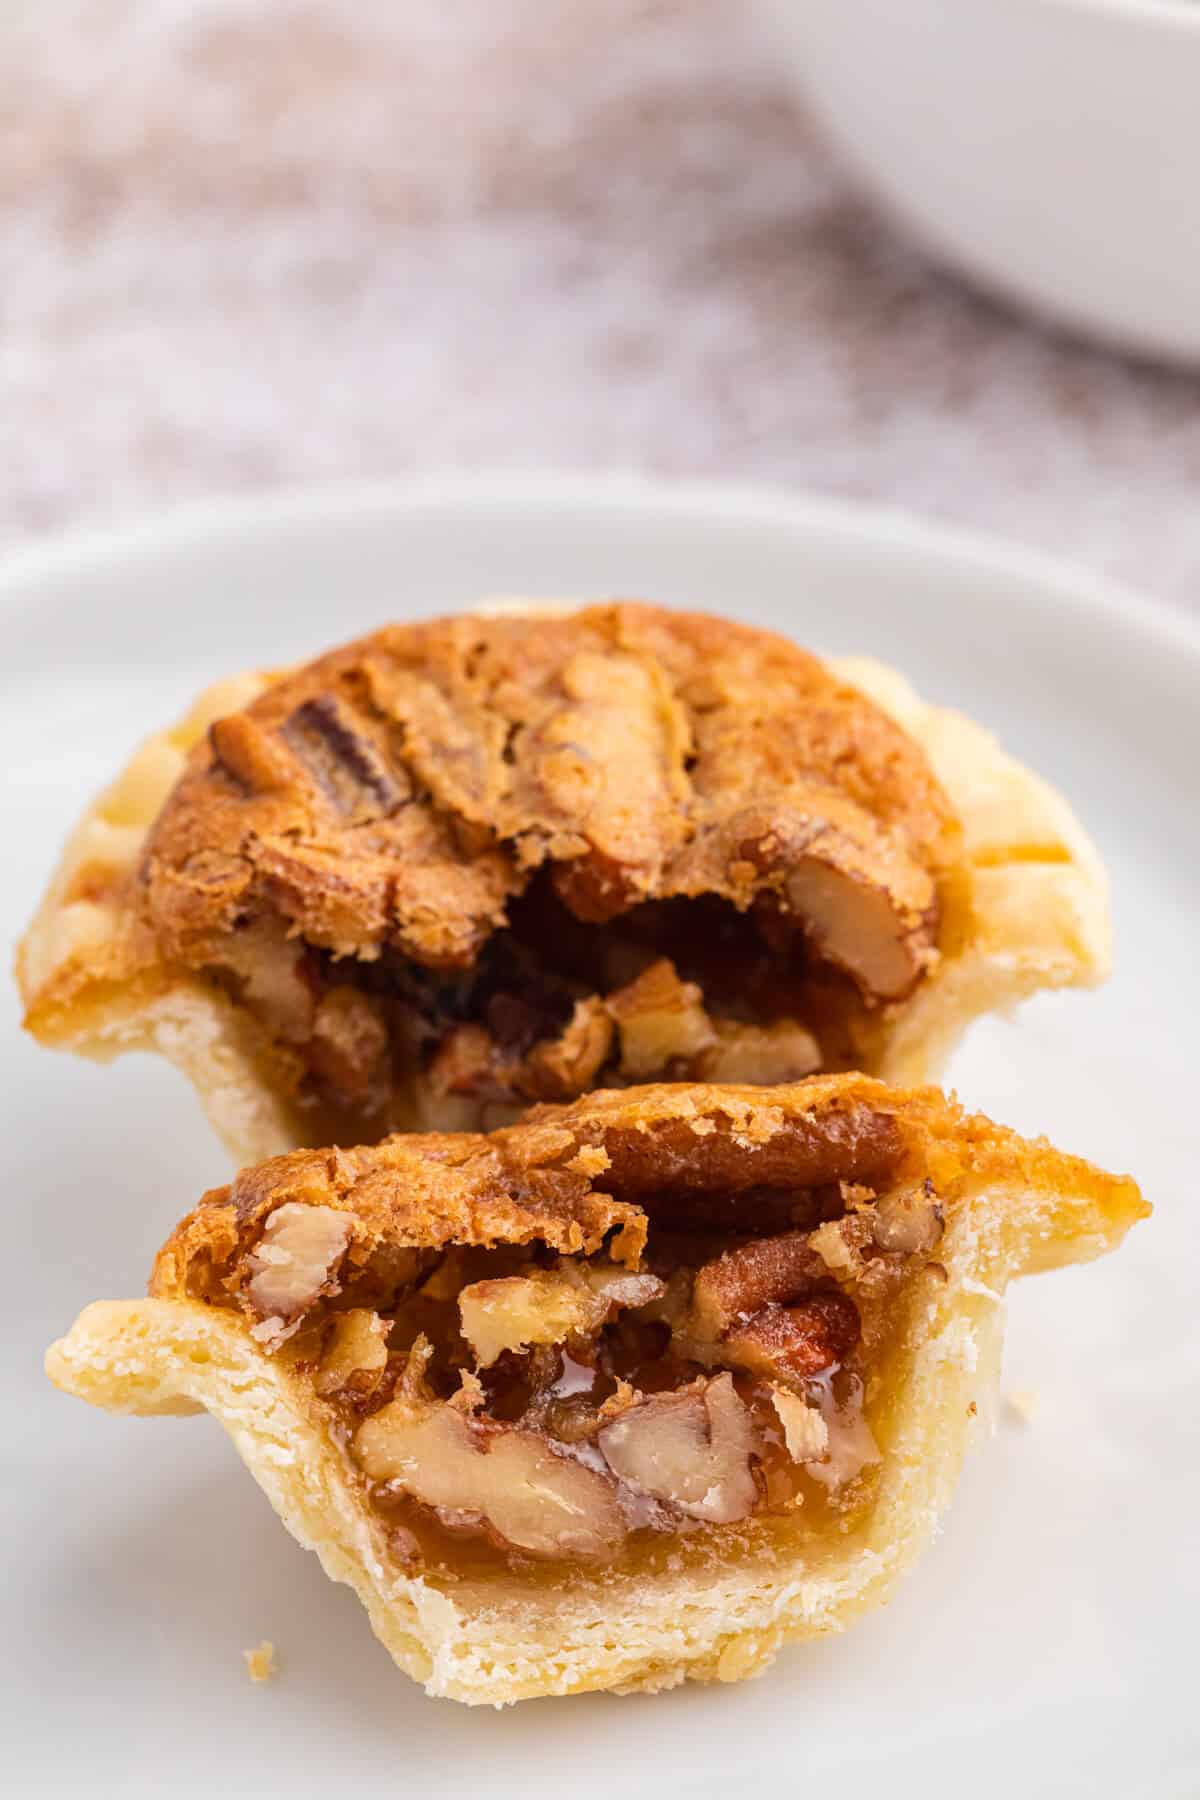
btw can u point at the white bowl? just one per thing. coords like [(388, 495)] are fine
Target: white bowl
[(1049, 148)]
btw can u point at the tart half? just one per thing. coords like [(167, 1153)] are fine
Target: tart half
[(460, 867), (634, 1391)]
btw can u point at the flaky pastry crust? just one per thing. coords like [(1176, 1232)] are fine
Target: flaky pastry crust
[(399, 794), (496, 1635)]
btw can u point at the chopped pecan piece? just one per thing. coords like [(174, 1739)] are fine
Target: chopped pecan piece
[(269, 968), (559, 1068), (546, 1306), (742, 1281), (356, 1354), (469, 1063), (517, 1311), (852, 1445), (293, 1265), (492, 1477), (804, 1429), (864, 905), (763, 1055), (346, 764), (908, 1219), (595, 887), (691, 1450), (252, 755), (840, 1244), (661, 1020), (349, 1040), (795, 1341), (857, 925), (622, 1287)]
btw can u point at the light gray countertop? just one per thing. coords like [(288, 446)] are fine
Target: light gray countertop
[(251, 244)]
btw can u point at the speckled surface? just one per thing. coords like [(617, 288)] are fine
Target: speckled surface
[(244, 245)]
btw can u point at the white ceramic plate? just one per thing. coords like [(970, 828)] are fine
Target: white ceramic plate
[(1046, 1645)]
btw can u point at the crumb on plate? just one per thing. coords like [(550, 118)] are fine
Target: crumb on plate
[(260, 1662)]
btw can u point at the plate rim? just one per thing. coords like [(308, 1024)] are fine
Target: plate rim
[(31, 565)]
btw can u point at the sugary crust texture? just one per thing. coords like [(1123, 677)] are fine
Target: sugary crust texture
[(1016, 1206), (410, 1191), (398, 792), (1023, 896)]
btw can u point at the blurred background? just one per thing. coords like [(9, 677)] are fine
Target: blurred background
[(251, 243)]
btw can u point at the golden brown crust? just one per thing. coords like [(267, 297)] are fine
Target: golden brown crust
[(399, 791), (505, 1634), (406, 1193), (1022, 898), (570, 1176)]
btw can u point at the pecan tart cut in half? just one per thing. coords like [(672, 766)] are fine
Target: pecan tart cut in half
[(636, 1390), (460, 867)]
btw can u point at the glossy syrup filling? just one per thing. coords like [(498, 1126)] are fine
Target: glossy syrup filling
[(523, 1409)]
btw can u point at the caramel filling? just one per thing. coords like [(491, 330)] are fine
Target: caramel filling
[(504, 1404)]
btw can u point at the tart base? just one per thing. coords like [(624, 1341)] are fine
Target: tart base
[(496, 1645)]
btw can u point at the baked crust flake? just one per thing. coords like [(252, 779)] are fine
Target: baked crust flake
[(632, 1392)]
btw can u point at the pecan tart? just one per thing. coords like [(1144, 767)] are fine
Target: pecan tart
[(636, 1390), (463, 866)]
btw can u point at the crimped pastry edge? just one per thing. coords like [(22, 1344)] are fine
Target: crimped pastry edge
[(1039, 915)]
